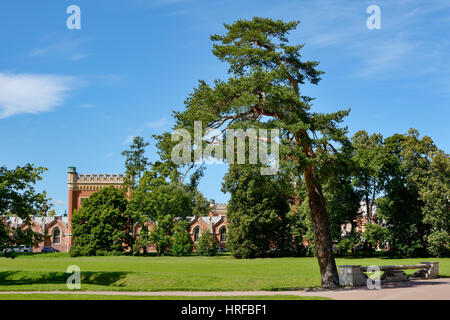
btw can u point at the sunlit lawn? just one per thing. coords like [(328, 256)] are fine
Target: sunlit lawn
[(40, 296), (126, 273)]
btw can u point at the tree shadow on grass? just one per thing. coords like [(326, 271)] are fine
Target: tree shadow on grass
[(17, 278)]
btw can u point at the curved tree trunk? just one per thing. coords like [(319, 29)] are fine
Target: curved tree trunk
[(322, 235)]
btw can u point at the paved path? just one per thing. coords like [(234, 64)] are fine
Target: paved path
[(432, 289)]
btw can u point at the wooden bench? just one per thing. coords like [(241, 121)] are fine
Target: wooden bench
[(353, 275)]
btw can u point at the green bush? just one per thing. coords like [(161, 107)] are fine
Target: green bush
[(207, 245), (181, 241), (439, 244), (101, 225), (79, 251), (344, 245)]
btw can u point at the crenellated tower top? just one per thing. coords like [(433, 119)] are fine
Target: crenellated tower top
[(92, 182)]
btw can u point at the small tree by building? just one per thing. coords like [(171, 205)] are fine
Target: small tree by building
[(101, 225), (181, 242), (207, 245)]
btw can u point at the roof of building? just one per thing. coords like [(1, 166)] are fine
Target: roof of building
[(39, 220)]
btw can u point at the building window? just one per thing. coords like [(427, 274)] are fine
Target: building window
[(56, 236), (223, 234), (197, 234)]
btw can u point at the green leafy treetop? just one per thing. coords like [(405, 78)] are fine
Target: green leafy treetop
[(264, 92), (368, 157), (135, 161), (164, 200), (102, 225), (207, 245), (19, 198)]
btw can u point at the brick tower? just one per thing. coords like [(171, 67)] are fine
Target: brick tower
[(82, 186)]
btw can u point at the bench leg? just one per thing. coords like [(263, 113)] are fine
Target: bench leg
[(432, 271), (394, 276)]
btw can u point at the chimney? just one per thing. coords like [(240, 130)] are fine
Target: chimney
[(212, 208)]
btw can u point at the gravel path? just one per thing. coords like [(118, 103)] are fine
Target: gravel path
[(432, 289)]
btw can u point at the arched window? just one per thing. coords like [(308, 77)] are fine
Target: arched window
[(223, 234), (197, 233), (56, 236)]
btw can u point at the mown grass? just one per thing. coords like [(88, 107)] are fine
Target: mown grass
[(41, 296), (223, 273)]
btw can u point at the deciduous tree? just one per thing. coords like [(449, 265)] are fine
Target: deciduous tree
[(19, 198), (101, 225)]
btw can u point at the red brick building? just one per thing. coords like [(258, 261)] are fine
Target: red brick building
[(82, 186), (57, 230), (53, 229)]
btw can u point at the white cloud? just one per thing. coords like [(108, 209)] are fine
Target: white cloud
[(78, 56), (37, 52), (384, 57), (67, 47), (86, 105), (161, 123), (129, 139), (58, 202), (32, 93), (158, 3)]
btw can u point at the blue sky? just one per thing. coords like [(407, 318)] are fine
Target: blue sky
[(76, 97)]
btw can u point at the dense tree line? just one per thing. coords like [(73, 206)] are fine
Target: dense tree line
[(401, 182)]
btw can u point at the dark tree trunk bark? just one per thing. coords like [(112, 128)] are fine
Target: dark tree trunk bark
[(322, 234)]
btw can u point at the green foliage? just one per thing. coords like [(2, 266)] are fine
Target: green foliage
[(182, 243), (434, 190), (439, 243), (135, 161), (301, 229), (161, 235), (416, 200), (376, 235), (207, 245), (343, 203), (158, 200), (101, 225), (162, 198), (141, 239), (19, 198), (347, 244), (368, 159), (257, 212), (401, 207), (263, 91)]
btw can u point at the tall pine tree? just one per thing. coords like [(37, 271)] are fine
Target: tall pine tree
[(263, 90)]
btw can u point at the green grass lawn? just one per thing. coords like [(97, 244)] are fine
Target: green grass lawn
[(126, 273), (38, 296)]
